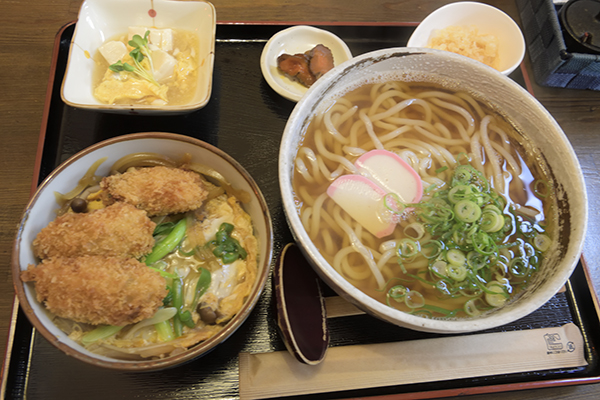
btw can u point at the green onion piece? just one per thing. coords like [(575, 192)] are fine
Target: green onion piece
[(163, 228), (177, 326), (168, 244), (476, 260), (458, 273), (183, 316), (202, 285), (542, 242), (518, 266), (459, 193), (163, 314), (227, 248), (397, 293), (540, 188), (443, 311), (165, 331), (408, 248), (414, 299), (439, 269), (415, 230), (101, 332), (471, 308), (442, 169), (467, 211), (491, 221), (498, 297), (456, 257), (483, 243), (392, 202), (462, 175), (432, 248)]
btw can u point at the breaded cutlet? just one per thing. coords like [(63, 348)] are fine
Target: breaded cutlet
[(157, 190), (98, 290), (117, 230)]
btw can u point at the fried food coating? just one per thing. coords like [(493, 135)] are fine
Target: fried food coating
[(98, 290), (157, 190), (117, 230)]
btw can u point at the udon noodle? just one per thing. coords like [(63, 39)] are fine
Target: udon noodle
[(434, 264)]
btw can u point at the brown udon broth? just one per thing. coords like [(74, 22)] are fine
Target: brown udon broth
[(435, 131)]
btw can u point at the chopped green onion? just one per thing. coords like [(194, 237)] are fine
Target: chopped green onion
[(542, 242), (168, 244), (541, 188), (408, 248), (471, 308), (458, 273), (416, 230), (456, 257), (467, 211), (227, 248), (432, 248), (498, 297), (459, 193), (101, 332), (392, 202), (397, 293), (165, 331), (476, 260), (202, 285), (439, 269), (414, 299)]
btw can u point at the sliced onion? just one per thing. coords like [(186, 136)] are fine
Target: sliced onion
[(161, 315)]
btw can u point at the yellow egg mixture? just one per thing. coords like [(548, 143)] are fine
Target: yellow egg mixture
[(172, 65)]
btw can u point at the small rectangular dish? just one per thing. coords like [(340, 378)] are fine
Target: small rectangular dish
[(103, 20)]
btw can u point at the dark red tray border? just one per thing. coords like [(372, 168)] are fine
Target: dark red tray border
[(417, 395)]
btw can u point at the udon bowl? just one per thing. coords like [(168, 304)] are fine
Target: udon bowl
[(528, 116), (41, 210)]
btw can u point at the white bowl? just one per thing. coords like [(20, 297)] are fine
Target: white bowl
[(487, 19), (101, 20), (517, 105), (294, 40), (41, 210)]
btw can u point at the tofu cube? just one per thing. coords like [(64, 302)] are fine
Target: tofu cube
[(163, 38), (164, 65), (113, 51)]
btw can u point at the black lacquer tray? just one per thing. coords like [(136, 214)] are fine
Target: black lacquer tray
[(246, 118)]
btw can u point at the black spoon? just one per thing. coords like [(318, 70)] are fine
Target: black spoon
[(301, 313)]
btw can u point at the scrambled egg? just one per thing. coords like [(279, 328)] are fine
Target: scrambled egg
[(175, 70)]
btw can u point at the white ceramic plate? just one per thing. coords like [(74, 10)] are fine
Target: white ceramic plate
[(294, 40), (100, 20), (487, 19)]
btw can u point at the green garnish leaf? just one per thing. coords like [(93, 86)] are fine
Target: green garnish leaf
[(139, 52)]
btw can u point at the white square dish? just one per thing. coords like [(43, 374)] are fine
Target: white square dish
[(100, 20)]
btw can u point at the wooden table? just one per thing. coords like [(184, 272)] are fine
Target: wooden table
[(27, 32)]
